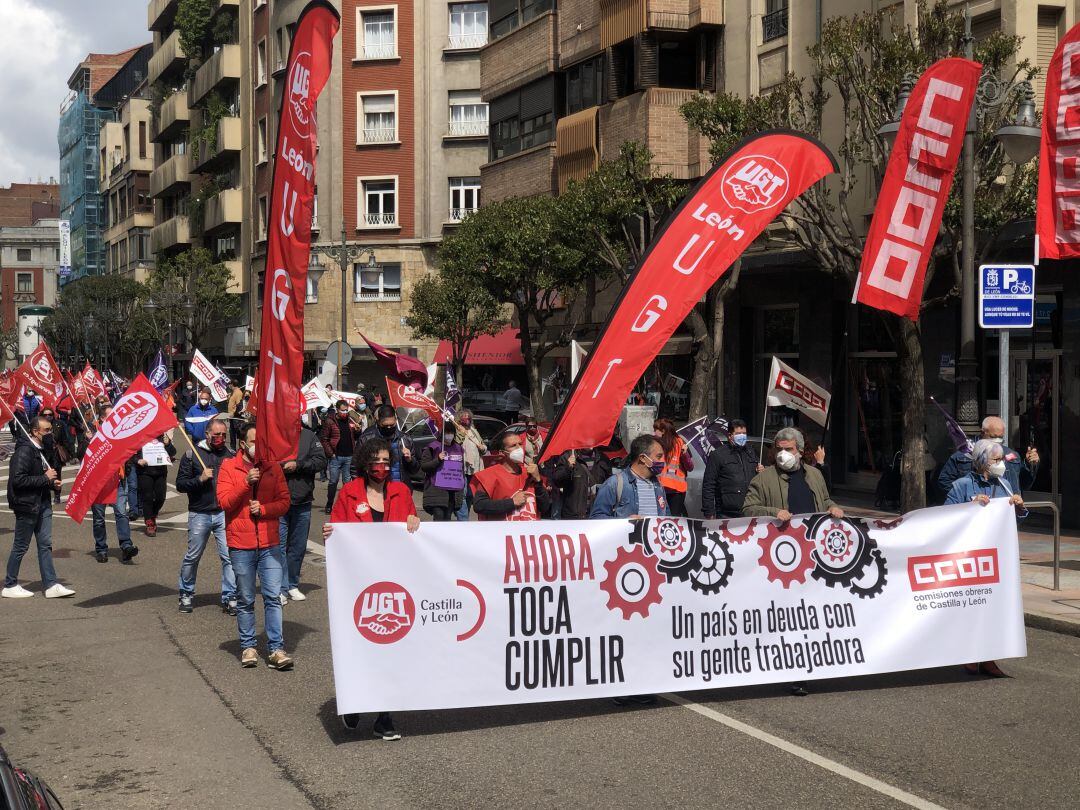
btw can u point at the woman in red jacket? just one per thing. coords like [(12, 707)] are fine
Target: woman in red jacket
[(372, 497)]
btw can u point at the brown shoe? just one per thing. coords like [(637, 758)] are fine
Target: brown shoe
[(279, 660), (249, 658)]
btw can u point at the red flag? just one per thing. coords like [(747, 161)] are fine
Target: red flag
[(1057, 215), (138, 416), (716, 223), (913, 194), (40, 373), (76, 387), (402, 396), (92, 382), (400, 366), (11, 391), (281, 360)]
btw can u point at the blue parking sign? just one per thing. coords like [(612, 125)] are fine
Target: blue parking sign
[(1006, 296)]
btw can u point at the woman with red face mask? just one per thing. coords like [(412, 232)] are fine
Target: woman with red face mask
[(372, 497)]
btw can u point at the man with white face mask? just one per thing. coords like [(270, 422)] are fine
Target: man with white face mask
[(789, 487), (1019, 472), (511, 490)]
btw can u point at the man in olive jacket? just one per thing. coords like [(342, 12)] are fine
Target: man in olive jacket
[(789, 487)]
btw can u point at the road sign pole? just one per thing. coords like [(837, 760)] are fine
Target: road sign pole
[(1004, 395)]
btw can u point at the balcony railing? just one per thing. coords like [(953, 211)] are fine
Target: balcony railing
[(377, 296), (458, 214), (774, 25), (388, 51), (469, 129), (467, 42), (380, 135), (380, 219)]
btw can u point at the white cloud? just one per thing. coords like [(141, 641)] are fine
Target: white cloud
[(41, 41)]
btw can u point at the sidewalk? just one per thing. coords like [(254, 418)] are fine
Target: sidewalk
[(1045, 608)]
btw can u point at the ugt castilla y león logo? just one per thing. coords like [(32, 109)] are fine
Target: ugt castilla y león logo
[(754, 183), (384, 612)]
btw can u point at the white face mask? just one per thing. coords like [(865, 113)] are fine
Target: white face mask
[(517, 455), (204, 402), (250, 450), (787, 461), (997, 439), (997, 469)]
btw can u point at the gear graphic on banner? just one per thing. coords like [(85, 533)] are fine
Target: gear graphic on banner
[(786, 555), (749, 532), (714, 566), (870, 589), (675, 542), (841, 549), (632, 582)]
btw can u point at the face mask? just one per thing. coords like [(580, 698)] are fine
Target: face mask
[(517, 455), (387, 430), (997, 469), (31, 394), (997, 439), (204, 403), (465, 423), (343, 414), (739, 439), (251, 452), (787, 461), (361, 407), (217, 441), (449, 437), (656, 467), (379, 471)]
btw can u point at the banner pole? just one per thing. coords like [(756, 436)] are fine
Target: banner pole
[(194, 450), (764, 417)]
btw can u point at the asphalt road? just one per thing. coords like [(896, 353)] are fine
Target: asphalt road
[(119, 701)]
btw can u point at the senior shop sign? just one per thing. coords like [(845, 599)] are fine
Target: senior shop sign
[(513, 613)]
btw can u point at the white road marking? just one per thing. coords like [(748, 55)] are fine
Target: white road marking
[(316, 548), (858, 777)]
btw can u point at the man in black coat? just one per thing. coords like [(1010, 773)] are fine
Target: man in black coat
[(728, 473), (404, 463), (294, 525), (31, 483), (579, 473)]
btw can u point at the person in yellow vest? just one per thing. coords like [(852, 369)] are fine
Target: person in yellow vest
[(677, 463)]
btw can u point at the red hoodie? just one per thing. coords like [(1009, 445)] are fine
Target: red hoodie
[(234, 495), (352, 506)]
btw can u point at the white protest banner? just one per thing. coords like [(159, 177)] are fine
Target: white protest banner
[(210, 376), (788, 387), (315, 395), (249, 383), (543, 611)]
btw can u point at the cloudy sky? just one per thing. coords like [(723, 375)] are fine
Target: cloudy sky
[(41, 41)]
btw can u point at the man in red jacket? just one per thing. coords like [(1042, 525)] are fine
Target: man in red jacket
[(253, 500)]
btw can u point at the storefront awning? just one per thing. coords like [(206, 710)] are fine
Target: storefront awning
[(502, 349)]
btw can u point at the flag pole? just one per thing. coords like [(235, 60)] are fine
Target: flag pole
[(194, 450), (764, 416)]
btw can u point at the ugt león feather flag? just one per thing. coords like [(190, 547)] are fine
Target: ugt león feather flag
[(1057, 215), (281, 358), (713, 226)]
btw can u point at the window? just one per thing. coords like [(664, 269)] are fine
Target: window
[(464, 197), (585, 85), (23, 254), (379, 203), (312, 292), (225, 248), (775, 22), (142, 140), (378, 34), (468, 114), (523, 119), (262, 218), (380, 283), (506, 15), (56, 256), (281, 42), (468, 26), (260, 72), (262, 153), (178, 147), (380, 118), (24, 282), (315, 210)]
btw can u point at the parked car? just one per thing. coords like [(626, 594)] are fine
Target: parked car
[(487, 427), (21, 790), (488, 403), (696, 476)]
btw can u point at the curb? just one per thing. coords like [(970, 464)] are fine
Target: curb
[(1052, 624)]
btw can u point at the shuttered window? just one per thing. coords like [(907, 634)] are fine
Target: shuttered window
[(523, 118), (1049, 33)]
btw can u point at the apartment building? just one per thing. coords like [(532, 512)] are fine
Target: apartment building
[(402, 133), (26, 203)]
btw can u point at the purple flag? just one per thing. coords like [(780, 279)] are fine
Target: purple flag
[(961, 442)]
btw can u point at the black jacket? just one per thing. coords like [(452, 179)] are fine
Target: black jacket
[(727, 477), (397, 441), (202, 495), (28, 489), (310, 459), (579, 483), (435, 497)]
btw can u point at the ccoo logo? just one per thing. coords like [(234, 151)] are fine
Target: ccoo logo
[(129, 415), (384, 612), (299, 102), (754, 183)]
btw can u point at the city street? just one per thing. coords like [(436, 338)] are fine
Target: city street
[(119, 701)]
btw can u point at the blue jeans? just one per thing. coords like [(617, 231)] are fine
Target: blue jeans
[(200, 526), (246, 564), (463, 511), (293, 531), (123, 528), (132, 486), (340, 467), (40, 526)]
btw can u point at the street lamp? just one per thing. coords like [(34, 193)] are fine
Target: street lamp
[(1020, 141), (344, 254)]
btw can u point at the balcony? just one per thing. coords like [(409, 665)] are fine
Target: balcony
[(774, 25), (467, 42), (160, 14), (505, 66), (229, 140), (622, 19), (525, 174), (173, 117), (224, 66), (377, 51), (376, 296), (224, 208), (383, 220), (468, 129), (652, 118), (217, 6), (458, 214), (167, 61), (577, 146), (380, 135), (175, 171), (237, 279), (171, 233)]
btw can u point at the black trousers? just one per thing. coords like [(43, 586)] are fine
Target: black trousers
[(151, 494), (676, 502), (440, 514)]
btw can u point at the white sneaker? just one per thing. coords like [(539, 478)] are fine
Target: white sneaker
[(283, 599), (295, 595), (16, 592), (58, 591)]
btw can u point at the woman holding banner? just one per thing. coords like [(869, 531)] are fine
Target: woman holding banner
[(372, 497), (677, 463)]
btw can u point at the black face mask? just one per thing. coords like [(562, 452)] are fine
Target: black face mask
[(388, 430)]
